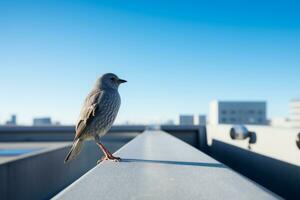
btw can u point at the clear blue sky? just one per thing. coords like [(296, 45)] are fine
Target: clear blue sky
[(176, 55)]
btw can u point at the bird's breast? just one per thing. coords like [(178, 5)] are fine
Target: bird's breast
[(107, 112)]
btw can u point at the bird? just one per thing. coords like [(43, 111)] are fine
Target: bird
[(97, 115)]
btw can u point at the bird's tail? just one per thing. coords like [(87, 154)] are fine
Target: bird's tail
[(75, 150)]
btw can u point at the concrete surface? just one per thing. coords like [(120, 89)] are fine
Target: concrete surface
[(42, 174), (39, 147), (273, 161), (58, 133), (157, 165), (274, 142)]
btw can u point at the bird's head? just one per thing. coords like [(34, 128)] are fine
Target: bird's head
[(109, 81)]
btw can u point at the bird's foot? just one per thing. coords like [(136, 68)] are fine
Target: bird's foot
[(109, 157)]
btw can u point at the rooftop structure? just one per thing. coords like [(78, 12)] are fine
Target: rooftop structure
[(12, 121), (186, 120), (202, 120), (280, 122), (44, 121), (295, 113)]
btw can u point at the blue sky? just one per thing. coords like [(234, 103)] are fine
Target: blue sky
[(176, 55)]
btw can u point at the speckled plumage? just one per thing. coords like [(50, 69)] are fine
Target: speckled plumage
[(98, 112), (109, 103)]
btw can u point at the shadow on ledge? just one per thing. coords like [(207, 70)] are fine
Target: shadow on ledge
[(169, 162)]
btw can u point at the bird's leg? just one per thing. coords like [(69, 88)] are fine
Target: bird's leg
[(107, 154)]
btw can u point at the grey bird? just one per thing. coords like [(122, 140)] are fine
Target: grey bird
[(97, 115)]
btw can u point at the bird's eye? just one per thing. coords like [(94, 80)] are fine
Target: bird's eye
[(113, 78)]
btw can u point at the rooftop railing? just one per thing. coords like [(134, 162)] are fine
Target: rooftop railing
[(156, 165)]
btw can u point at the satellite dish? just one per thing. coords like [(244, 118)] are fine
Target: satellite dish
[(298, 141), (239, 132)]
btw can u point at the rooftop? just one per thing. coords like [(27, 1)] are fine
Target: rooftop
[(11, 151), (156, 165), (154, 158)]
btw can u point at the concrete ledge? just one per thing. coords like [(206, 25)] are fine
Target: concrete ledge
[(187, 133), (42, 174), (273, 160), (65, 129), (158, 166), (277, 143), (58, 133)]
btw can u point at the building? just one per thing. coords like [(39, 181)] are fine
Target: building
[(237, 112), (168, 122), (44, 121), (294, 113), (186, 120), (12, 121), (202, 120), (281, 122)]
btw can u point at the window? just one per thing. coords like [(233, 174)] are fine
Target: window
[(251, 111), (224, 112), (251, 120), (260, 120)]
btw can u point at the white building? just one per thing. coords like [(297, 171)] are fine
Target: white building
[(186, 120), (237, 112), (202, 120), (295, 113)]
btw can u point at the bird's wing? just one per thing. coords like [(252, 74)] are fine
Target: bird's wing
[(87, 112)]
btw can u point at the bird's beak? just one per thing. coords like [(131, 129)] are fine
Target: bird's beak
[(121, 81)]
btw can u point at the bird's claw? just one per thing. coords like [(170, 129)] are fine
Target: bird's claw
[(116, 159), (111, 157)]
